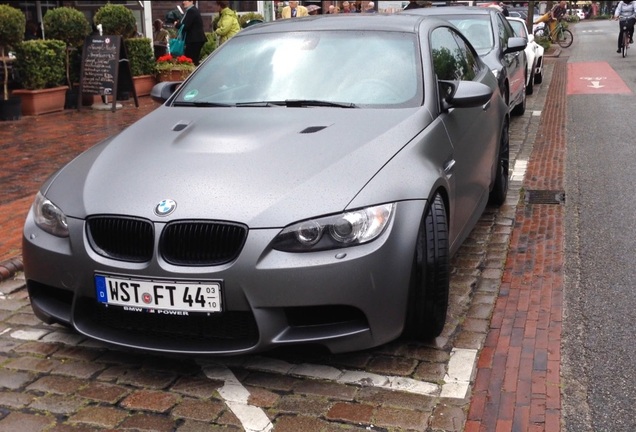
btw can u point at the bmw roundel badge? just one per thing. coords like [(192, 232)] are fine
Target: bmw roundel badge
[(165, 207)]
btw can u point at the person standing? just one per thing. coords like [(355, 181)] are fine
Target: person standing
[(346, 7), (504, 9), (370, 7), (159, 38), (228, 24), (192, 29), (294, 10)]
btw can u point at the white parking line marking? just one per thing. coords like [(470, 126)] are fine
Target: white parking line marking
[(460, 370), (252, 418), (360, 378), (519, 170), (30, 335)]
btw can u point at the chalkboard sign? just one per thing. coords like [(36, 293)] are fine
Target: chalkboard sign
[(104, 64)]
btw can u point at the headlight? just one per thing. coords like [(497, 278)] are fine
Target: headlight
[(337, 231), (49, 217)]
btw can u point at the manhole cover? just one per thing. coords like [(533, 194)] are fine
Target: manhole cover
[(545, 196)]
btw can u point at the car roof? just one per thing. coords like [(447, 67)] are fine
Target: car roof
[(509, 18), (346, 22), (455, 10)]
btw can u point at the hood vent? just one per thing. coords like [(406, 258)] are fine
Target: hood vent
[(179, 127), (312, 129)]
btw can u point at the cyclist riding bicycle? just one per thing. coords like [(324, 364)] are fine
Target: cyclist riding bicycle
[(626, 10), (554, 16)]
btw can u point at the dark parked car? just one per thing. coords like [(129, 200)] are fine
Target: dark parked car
[(291, 191), (494, 39)]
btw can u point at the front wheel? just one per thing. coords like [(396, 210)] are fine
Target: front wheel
[(502, 171), (430, 276), (565, 38)]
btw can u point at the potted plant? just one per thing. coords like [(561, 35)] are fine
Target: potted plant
[(40, 65), (249, 18), (171, 68), (117, 20), (142, 64), (209, 46), (12, 27), (70, 26)]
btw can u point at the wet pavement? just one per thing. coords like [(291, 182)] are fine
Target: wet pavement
[(495, 367)]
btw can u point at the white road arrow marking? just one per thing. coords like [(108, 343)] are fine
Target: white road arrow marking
[(596, 84)]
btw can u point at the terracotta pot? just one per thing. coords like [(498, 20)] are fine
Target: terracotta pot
[(36, 102), (144, 84)]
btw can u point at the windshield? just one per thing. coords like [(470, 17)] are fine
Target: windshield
[(477, 29), (323, 68), (519, 28)]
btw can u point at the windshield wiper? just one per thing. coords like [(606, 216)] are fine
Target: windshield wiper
[(297, 103), (293, 103), (203, 104), (260, 104)]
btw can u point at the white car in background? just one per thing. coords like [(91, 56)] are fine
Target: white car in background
[(579, 13), (534, 53)]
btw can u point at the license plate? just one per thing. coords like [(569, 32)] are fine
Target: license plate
[(159, 294)]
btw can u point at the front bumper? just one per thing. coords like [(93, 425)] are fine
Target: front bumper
[(346, 299)]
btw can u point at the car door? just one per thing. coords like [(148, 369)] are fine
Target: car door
[(514, 62), (469, 129)]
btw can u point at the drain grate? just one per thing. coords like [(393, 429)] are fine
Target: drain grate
[(545, 196)]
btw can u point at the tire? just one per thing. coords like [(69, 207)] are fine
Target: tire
[(430, 276), (520, 108), (502, 175), (538, 79), (530, 85), (566, 38), (625, 44)]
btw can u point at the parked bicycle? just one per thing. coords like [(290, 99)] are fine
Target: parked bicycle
[(560, 34), (627, 29)]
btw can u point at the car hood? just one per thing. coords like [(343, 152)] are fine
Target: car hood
[(265, 167)]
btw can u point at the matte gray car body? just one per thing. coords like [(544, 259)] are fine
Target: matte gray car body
[(260, 168)]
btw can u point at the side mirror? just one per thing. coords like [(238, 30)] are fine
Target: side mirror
[(516, 44), (464, 94), (163, 90)]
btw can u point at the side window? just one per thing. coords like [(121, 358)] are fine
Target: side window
[(505, 31), (472, 64), (449, 53)]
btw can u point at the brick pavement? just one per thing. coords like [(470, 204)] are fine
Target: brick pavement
[(58, 380), (518, 378)]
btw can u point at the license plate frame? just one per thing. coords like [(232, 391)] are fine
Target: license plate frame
[(159, 294)]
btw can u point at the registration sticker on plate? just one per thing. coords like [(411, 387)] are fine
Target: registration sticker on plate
[(159, 295)]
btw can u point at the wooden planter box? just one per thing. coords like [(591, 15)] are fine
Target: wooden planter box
[(36, 102)]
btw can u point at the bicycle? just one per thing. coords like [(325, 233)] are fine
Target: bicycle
[(560, 34), (627, 29)]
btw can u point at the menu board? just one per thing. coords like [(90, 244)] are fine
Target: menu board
[(102, 58)]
